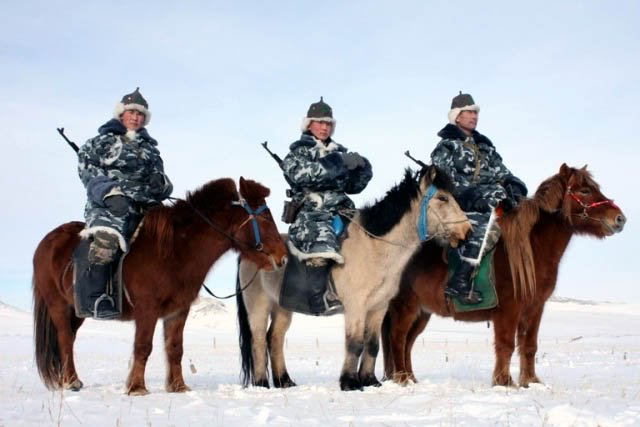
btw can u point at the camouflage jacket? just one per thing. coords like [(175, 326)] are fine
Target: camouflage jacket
[(474, 165), (111, 164), (319, 177)]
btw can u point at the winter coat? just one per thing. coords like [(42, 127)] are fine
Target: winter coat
[(112, 164), (319, 177), (480, 178)]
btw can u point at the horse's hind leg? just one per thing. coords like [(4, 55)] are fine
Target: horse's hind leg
[(371, 347), (142, 346), (173, 346), (416, 329), (280, 322), (66, 325), (528, 328)]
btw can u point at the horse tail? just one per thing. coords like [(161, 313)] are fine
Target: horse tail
[(516, 233), (45, 336), (245, 338)]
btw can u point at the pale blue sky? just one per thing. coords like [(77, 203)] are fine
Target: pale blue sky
[(557, 82)]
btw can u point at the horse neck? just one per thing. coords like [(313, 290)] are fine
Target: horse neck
[(203, 246)]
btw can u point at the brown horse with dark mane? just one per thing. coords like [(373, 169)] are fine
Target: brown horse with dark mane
[(526, 260), (163, 272)]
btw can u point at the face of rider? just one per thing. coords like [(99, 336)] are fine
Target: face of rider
[(132, 119), (321, 130), (467, 121)]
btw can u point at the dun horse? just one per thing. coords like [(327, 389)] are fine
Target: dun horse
[(526, 261), (163, 272), (380, 240)]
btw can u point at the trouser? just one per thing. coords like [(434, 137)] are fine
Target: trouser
[(313, 236)]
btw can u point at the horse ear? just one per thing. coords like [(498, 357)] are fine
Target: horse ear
[(432, 173), (250, 188), (584, 168), (565, 170)]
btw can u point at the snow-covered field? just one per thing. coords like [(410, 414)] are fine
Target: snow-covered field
[(589, 358)]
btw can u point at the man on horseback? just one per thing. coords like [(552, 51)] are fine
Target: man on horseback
[(123, 174), (321, 173), (481, 182)]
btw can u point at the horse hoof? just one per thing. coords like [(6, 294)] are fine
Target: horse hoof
[(261, 383), (138, 391), (371, 381), (183, 388), (74, 385), (349, 383), (284, 382)]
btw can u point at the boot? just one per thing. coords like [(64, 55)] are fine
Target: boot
[(103, 248), (320, 302), (460, 285)]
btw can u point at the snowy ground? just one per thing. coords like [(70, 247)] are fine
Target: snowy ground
[(589, 358)]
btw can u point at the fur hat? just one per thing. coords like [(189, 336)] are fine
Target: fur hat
[(319, 112), (133, 101), (461, 102)]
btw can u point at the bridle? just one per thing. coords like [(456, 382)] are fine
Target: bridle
[(586, 206)]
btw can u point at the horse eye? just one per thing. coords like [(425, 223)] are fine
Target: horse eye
[(585, 191), (443, 198)]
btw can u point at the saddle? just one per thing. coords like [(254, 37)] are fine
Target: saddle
[(97, 289), (483, 280)]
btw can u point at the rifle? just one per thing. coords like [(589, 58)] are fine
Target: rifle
[(419, 162), (291, 207), (71, 143)]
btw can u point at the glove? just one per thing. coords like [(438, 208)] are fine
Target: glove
[(118, 205), (156, 184), (353, 160), (472, 200), (515, 191), (482, 205)]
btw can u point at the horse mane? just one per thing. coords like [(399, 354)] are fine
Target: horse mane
[(516, 226), (161, 222), (379, 218)]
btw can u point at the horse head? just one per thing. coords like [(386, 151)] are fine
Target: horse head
[(585, 207), (445, 220), (258, 234)]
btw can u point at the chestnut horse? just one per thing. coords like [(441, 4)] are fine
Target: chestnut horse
[(163, 272), (380, 240), (526, 260)]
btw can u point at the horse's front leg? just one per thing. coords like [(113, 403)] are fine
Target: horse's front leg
[(142, 346), (173, 346), (367, 372), (401, 318), (528, 328), (354, 344), (504, 327), (258, 316), (416, 329), (280, 322)]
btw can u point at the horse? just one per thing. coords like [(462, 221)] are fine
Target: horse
[(380, 240), (534, 237), (167, 263)]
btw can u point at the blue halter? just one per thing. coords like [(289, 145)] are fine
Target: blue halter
[(253, 214), (423, 231)]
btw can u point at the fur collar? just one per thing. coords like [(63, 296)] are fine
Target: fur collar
[(116, 127), (308, 140), (454, 132)]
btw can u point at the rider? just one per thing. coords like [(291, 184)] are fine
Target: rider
[(322, 173), (481, 181), (123, 174)]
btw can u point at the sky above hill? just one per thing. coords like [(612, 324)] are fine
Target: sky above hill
[(556, 81)]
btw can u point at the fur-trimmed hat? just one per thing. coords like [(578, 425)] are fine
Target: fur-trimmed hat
[(133, 101), (319, 112), (461, 102)]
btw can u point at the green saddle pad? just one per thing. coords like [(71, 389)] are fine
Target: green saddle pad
[(484, 281)]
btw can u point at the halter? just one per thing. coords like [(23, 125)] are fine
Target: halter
[(586, 207), (253, 214), (423, 231)]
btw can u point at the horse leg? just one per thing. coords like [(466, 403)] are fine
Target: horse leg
[(280, 322), (416, 329), (258, 320), (173, 346), (402, 316), (142, 346), (354, 344), (66, 325), (504, 327), (371, 347), (528, 328)]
